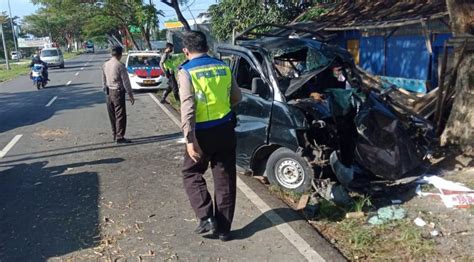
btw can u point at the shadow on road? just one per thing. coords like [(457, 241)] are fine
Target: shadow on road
[(22, 109), (262, 222), (89, 148), (48, 211)]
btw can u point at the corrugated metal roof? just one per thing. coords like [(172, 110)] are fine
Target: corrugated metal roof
[(360, 14)]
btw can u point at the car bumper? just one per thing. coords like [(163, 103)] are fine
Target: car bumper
[(138, 84), (54, 63)]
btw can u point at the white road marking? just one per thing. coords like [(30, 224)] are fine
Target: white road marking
[(82, 68), (296, 240), (181, 141), (68, 83), (77, 73), (9, 146), (289, 233), (51, 101)]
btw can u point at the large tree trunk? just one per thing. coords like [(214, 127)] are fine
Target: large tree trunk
[(146, 36), (460, 126), (132, 38)]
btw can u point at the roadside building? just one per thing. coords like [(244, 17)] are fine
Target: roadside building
[(400, 41)]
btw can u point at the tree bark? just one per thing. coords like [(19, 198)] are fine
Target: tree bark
[(175, 5), (460, 125), (131, 38), (146, 36)]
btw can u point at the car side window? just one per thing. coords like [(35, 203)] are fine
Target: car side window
[(245, 73), (59, 52)]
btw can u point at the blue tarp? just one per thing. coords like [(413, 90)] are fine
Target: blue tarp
[(371, 54), (408, 57)]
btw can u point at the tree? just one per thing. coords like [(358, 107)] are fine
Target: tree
[(460, 126), (68, 19), (62, 20), (7, 31), (175, 5), (147, 20), (239, 15)]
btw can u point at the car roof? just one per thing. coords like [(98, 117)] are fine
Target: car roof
[(278, 42), (50, 48)]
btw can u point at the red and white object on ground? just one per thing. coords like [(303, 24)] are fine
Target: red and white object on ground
[(451, 193)]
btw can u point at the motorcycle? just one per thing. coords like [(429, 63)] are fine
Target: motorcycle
[(38, 77)]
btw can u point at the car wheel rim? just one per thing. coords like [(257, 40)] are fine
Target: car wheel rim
[(289, 173)]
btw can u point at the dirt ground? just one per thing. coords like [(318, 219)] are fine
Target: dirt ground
[(447, 236)]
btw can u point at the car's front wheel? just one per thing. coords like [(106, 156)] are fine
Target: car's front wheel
[(289, 171)]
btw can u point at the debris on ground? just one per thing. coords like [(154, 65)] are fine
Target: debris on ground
[(451, 193), (419, 222), (386, 214), (51, 134), (303, 202), (333, 192), (355, 214)]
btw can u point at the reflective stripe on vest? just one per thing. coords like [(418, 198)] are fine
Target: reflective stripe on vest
[(212, 84)]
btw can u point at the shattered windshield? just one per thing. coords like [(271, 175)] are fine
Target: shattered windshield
[(294, 61)]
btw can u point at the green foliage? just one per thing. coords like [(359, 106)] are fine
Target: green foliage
[(84, 19), (100, 25), (7, 31), (15, 71), (361, 204), (241, 14), (62, 20)]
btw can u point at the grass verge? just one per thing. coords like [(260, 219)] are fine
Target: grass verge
[(15, 70), (359, 241), (171, 100), (398, 240)]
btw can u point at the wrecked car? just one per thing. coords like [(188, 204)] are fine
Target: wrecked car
[(290, 138)]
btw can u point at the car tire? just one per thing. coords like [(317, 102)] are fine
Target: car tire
[(289, 171), (61, 66)]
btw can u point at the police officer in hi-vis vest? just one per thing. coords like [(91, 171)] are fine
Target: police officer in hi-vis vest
[(168, 68), (207, 92)]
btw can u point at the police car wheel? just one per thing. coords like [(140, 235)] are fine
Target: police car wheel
[(289, 171)]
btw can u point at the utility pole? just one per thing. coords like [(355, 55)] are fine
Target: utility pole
[(13, 27), (4, 47)]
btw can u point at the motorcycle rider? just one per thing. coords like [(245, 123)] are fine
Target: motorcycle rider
[(37, 60)]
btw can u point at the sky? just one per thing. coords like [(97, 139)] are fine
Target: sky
[(25, 7)]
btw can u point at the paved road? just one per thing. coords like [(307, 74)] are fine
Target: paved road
[(68, 192)]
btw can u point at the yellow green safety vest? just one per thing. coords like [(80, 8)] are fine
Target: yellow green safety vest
[(212, 80), (173, 61)]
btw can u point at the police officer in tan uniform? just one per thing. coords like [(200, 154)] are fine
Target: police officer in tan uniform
[(116, 83)]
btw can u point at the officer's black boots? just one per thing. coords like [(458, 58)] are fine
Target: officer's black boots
[(206, 225)]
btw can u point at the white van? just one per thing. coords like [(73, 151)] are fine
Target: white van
[(52, 56)]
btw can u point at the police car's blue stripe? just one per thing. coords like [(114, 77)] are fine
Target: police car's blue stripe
[(213, 123)]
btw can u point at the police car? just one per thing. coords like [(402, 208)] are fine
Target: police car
[(144, 70)]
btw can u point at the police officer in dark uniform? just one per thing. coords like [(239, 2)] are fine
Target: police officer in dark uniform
[(115, 82), (207, 92)]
